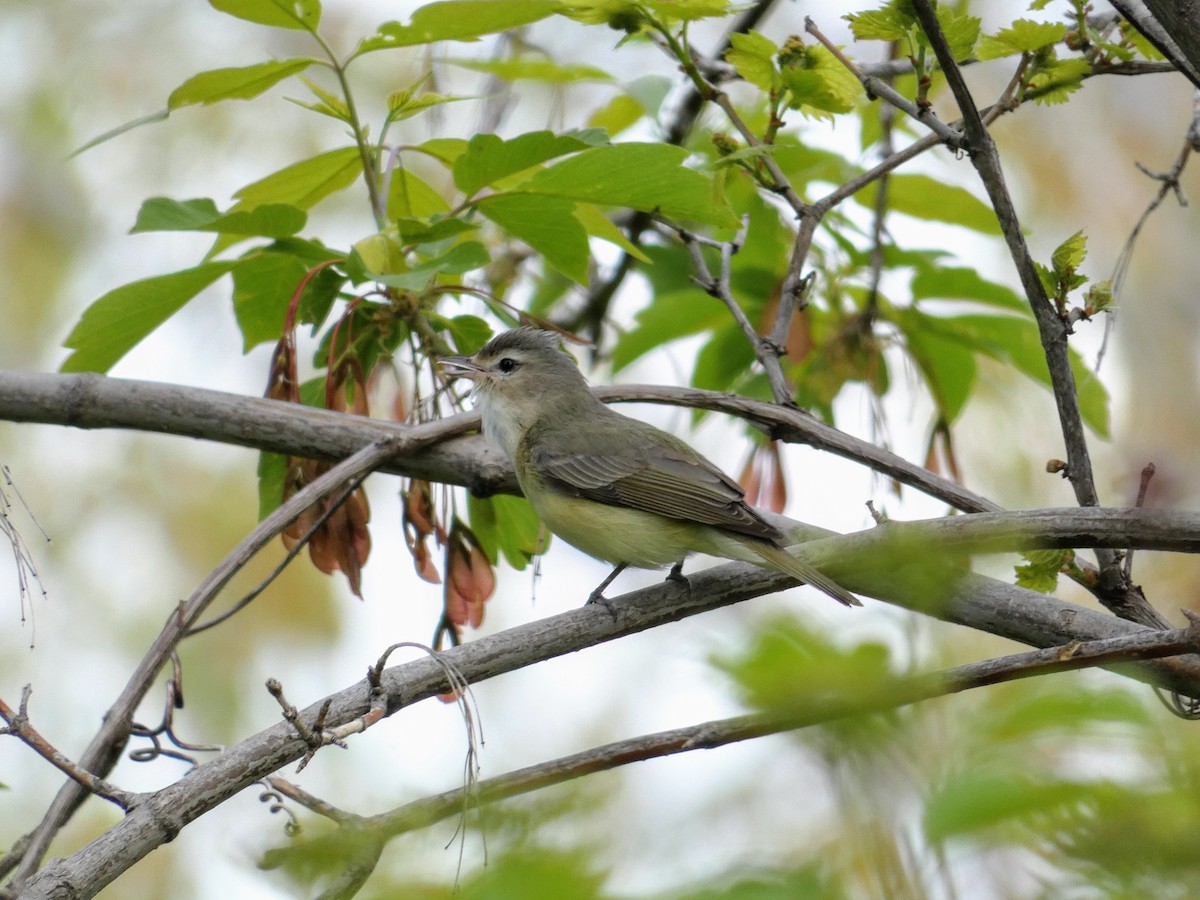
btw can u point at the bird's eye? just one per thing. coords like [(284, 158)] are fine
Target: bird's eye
[(506, 365)]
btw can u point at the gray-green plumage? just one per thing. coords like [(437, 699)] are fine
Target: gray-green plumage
[(617, 488)]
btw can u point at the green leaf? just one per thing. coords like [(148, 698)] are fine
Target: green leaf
[(304, 184), (648, 177), (269, 220), (923, 197), (263, 285), (489, 158), (947, 365), (1023, 36), (964, 284), (753, 56), (686, 10), (600, 226), (668, 317), (470, 333), (508, 525), (160, 116), (299, 15), (445, 150), (619, 113), (415, 105), (979, 799), (458, 20), (234, 84), (547, 224), (789, 665), (115, 323), (272, 472), (1016, 341), (424, 231), (411, 198), (725, 359)]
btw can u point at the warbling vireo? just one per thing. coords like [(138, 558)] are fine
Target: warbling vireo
[(619, 489)]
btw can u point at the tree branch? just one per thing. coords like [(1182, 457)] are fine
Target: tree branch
[(1115, 591), (862, 700), (105, 747), (166, 812)]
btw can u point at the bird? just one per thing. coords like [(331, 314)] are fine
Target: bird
[(619, 489)]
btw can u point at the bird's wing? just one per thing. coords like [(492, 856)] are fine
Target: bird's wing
[(651, 471)]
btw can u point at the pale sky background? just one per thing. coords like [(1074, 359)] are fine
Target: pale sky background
[(137, 520)]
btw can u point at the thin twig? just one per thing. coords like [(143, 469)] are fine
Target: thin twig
[(18, 726)]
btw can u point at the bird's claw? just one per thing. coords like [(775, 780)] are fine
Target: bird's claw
[(597, 598)]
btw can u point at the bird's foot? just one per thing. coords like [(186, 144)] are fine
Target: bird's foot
[(597, 598), (676, 575)]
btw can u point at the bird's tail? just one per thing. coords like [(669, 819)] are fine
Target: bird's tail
[(783, 561)]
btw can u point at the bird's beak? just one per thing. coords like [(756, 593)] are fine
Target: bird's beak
[(463, 367)]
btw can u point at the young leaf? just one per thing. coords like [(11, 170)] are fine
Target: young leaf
[(1069, 255), (547, 224), (891, 23), (1057, 80), (1041, 568), (328, 103), (298, 15), (817, 82), (115, 323), (1023, 36), (235, 84), (753, 56), (649, 177)]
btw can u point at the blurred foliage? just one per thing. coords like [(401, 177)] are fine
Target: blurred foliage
[(460, 234), (1074, 770)]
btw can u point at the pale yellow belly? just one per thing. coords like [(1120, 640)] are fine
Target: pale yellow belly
[(616, 534)]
